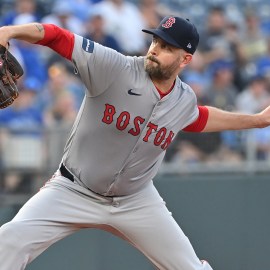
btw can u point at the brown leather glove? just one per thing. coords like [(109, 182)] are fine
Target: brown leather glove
[(10, 71)]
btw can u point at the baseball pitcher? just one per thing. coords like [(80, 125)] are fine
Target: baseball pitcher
[(132, 110)]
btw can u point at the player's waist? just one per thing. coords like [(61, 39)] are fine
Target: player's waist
[(65, 172)]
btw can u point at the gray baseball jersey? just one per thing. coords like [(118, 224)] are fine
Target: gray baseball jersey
[(123, 128)]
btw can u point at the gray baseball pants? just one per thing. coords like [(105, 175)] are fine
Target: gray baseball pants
[(62, 207)]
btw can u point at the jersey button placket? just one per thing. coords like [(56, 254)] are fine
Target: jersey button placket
[(154, 110)]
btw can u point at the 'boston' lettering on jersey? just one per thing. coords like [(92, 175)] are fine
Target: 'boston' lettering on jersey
[(161, 138)]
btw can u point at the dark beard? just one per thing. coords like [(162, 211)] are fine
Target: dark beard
[(159, 72)]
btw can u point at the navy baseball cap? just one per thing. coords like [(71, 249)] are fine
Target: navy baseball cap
[(178, 32)]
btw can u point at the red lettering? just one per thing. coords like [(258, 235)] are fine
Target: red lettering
[(167, 141), (123, 120), (108, 114), (169, 22), (149, 131), (160, 136), (137, 122)]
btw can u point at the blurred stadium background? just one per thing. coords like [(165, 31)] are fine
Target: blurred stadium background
[(216, 184)]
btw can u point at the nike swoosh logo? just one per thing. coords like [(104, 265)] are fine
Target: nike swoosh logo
[(133, 93)]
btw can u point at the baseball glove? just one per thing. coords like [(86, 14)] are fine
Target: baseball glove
[(10, 71)]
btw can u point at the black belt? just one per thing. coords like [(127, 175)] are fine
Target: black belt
[(66, 173)]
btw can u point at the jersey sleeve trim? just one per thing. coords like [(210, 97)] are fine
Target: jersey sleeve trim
[(58, 39), (200, 123)]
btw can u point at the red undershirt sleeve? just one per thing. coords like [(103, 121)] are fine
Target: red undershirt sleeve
[(58, 39), (201, 121)]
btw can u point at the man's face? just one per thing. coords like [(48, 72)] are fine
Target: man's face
[(162, 60)]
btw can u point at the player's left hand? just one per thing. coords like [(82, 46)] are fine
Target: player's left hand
[(264, 117)]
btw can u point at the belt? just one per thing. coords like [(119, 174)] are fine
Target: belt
[(66, 173)]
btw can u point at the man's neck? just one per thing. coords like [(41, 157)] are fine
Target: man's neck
[(164, 86)]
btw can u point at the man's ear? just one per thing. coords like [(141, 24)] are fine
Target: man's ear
[(186, 60)]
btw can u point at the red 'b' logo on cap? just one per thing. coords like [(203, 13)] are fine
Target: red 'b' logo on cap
[(169, 22)]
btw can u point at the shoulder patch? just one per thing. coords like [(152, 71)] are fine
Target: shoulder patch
[(88, 45)]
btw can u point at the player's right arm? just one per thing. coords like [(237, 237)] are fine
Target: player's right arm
[(32, 33), (56, 38), (97, 65)]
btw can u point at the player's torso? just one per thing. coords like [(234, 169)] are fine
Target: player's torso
[(120, 136)]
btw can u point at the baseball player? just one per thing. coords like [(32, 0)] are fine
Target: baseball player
[(132, 110)]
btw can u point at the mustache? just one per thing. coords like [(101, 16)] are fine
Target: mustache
[(152, 58)]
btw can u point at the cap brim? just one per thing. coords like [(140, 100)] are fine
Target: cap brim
[(163, 36)]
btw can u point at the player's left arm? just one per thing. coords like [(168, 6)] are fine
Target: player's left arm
[(211, 119), (219, 120)]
